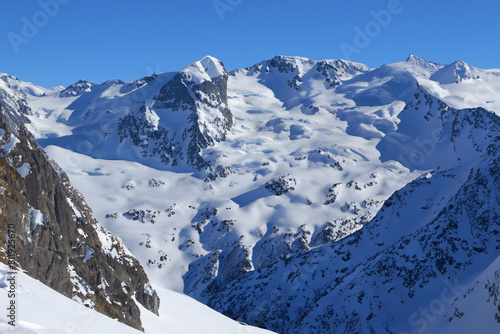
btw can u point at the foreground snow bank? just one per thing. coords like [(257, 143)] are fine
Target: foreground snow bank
[(41, 310)]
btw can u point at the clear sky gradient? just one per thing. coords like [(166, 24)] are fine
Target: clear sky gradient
[(98, 40)]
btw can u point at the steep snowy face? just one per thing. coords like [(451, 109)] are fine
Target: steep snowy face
[(189, 114), (27, 88), (204, 70), (431, 238), (47, 311), (383, 85)]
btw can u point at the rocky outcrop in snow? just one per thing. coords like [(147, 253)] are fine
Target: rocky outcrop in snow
[(281, 185)]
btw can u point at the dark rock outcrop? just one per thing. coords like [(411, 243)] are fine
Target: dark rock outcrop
[(187, 116), (281, 185), (58, 241)]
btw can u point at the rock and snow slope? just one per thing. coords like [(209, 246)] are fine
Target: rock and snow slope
[(50, 236), (230, 185), (41, 310), (50, 233), (438, 232)]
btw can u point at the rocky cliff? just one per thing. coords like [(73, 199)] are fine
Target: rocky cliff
[(57, 239)]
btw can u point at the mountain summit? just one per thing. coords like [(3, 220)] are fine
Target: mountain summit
[(205, 70)]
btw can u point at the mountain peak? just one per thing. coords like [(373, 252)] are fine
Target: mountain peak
[(205, 69), (213, 66), (455, 72), (291, 58), (420, 66), (460, 64), (289, 64), (422, 62), (77, 88), (412, 58)]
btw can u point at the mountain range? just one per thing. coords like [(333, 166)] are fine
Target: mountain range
[(295, 195)]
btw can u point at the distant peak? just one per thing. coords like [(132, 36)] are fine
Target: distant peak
[(455, 72), (421, 66), (290, 64), (295, 60), (460, 64), (82, 82), (77, 88), (205, 69), (291, 58), (415, 59), (210, 59)]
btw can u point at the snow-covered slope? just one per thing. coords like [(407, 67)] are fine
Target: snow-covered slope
[(41, 310), (440, 229), (227, 185)]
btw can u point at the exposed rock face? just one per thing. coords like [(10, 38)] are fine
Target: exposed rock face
[(277, 246), (189, 114), (58, 240), (335, 71)]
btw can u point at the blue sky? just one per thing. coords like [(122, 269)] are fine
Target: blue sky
[(57, 42)]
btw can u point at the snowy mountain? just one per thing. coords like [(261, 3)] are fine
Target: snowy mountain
[(298, 195)]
